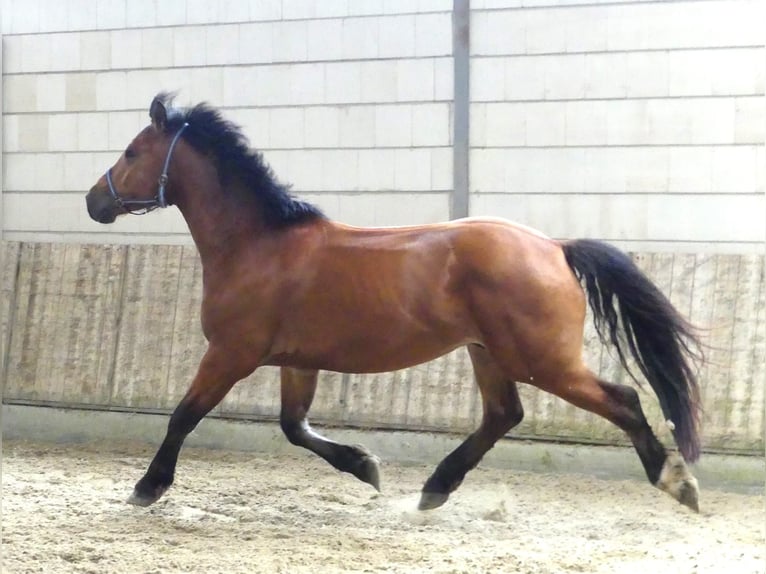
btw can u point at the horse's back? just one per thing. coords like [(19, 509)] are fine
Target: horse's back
[(483, 247), (500, 223)]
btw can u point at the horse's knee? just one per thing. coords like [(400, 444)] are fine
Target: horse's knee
[(502, 418)]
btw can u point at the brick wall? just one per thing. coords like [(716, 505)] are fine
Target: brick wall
[(349, 101), (638, 122)]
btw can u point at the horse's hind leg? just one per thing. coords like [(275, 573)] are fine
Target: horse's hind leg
[(620, 405), (502, 411), (217, 373), (298, 387)]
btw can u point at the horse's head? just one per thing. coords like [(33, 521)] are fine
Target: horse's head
[(136, 183)]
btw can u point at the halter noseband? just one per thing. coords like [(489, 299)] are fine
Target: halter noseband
[(142, 206)]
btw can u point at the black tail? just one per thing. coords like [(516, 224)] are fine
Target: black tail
[(661, 341)]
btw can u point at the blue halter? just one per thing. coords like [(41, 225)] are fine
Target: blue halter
[(142, 206)]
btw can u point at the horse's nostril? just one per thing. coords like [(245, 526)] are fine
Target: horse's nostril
[(105, 215), (99, 210)]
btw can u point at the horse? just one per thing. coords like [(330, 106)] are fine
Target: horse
[(286, 286)]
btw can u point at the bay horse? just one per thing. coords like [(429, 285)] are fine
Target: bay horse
[(284, 285)]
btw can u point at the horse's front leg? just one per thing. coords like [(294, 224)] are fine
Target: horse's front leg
[(217, 374), (298, 387)]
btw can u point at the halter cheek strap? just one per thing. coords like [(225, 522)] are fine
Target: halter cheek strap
[(163, 181), (141, 206)]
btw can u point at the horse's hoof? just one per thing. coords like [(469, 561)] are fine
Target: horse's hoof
[(139, 498), (369, 470), (689, 495), (372, 466), (678, 482), (431, 500)]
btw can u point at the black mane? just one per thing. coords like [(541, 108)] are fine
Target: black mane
[(210, 134)]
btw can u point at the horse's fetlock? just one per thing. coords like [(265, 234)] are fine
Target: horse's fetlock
[(293, 430)]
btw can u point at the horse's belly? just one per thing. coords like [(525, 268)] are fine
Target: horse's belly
[(369, 352)]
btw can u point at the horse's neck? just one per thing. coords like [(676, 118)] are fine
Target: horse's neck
[(221, 225)]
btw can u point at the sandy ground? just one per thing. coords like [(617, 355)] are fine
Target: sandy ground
[(63, 511)]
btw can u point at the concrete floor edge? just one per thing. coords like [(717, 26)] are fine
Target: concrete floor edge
[(725, 472)]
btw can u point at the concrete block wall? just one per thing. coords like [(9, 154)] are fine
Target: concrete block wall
[(638, 122), (642, 123), (349, 101)]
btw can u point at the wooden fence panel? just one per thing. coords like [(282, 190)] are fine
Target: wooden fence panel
[(119, 327), (745, 378), (65, 323), (145, 339), (716, 385), (187, 343), (9, 264)]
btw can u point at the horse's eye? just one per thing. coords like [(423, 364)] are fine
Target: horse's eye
[(130, 153)]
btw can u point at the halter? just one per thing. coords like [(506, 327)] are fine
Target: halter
[(142, 206)]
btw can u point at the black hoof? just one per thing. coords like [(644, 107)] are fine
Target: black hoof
[(145, 495), (368, 470), (431, 500)]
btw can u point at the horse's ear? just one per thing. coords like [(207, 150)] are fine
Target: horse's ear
[(159, 114)]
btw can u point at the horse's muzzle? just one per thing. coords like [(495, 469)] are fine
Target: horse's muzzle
[(101, 208)]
